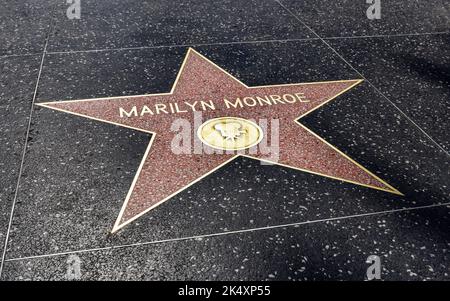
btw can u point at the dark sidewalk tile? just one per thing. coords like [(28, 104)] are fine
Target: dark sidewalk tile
[(136, 23), (345, 18), (24, 26), (17, 83), (369, 129), (413, 72), (78, 171), (412, 245), (68, 76)]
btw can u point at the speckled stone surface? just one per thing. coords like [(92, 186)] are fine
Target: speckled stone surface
[(412, 245), (136, 23), (24, 26), (78, 171), (345, 18), (412, 71), (17, 83), (165, 171)]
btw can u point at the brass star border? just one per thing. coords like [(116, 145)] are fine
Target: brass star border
[(198, 76)]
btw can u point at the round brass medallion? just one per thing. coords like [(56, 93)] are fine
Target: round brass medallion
[(230, 133)]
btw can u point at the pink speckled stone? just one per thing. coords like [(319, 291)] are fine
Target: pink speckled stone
[(164, 173)]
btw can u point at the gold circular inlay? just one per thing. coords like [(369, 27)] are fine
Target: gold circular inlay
[(230, 133)]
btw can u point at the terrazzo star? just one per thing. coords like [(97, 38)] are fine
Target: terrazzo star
[(201, 79)]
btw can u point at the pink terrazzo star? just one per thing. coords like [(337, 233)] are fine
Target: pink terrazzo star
[(163, 172)]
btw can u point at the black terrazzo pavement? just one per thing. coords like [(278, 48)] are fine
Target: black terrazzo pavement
[(77, 171), (17, 84), (412, 245), (136, 23), (412, 72), (24, 26), (348, 18)]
